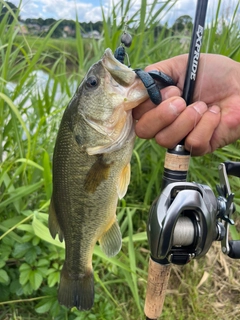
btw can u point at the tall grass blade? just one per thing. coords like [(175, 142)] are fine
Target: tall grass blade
[(17, 114), (132, 260)]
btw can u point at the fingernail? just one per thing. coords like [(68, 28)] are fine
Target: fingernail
[(200, 107), (177, 106), (170, 92), (214, 109)]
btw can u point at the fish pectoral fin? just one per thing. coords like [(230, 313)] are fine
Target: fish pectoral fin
[(98, 172), (111, 240), (53, 224), (123, 181)]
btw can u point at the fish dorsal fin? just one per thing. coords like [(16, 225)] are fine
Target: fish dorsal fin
[(123, 181), (53, 223), (111, 240)]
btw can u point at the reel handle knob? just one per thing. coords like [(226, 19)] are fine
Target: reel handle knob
[(233, 168), (234, 251)]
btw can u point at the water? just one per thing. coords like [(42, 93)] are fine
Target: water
[(40, 100), (35, 87)]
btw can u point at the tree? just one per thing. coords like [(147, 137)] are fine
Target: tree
[(57, 33), (49, 22), (183, 23), (4, 10), (40, 22)]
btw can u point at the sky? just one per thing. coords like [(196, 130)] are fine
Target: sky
[(90, 10)]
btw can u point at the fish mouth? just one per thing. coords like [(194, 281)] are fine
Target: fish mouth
[(122, 82), (136, 93), (119, 71)]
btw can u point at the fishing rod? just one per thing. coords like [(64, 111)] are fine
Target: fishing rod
[(187, 217), (175, 170)]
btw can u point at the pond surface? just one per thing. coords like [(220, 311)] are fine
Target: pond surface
[(36, 86)]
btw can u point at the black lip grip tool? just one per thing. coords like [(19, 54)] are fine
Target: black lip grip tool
[(175, 170)]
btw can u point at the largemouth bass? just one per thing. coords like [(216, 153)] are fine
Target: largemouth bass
[(91, 170)]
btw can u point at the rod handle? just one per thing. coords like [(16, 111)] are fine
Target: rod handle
[(176, 165), (158, 276)]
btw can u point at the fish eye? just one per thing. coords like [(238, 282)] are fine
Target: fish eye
[(92, 82)]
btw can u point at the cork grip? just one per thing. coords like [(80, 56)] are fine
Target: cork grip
[(158, 276), (176, 162)]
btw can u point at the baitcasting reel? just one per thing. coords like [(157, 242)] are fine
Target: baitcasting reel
[(188, 217)]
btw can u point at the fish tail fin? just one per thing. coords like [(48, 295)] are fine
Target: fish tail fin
[(77, 292)]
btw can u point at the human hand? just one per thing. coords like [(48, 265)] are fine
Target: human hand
[(211, 122)]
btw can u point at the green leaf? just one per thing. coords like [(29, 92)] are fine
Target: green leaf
[(21, 249), (47, 175), (15, 286), (31, 254), (27, 289), (25, 227), (5, 251), (15, 110), (53, 278), (234, 233), (25, 270), (27, 237), (43, 306), (20, 192), (43, 233), (7, 227), (30, 163), (138, 237), (24, 267), (4, 278), (35, 279), (42, 263), (2, 263), (8, 241), (98, 252), (35, 241), (4, 292), (132, 259)]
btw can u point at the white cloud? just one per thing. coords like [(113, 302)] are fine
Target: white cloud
[(90, 10), (58, 9), (94, 15)]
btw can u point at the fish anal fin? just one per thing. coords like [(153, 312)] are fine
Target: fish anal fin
[(111, 240), (123, 181), (76, 291), (53, 224)]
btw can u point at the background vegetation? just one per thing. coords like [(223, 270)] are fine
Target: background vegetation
[(37, 79)]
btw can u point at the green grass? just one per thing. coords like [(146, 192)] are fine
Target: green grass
[(30, 260)]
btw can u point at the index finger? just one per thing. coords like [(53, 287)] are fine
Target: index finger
[(147, 105), (174, 67)]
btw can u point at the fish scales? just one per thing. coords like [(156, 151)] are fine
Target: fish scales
[(91, 170)]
